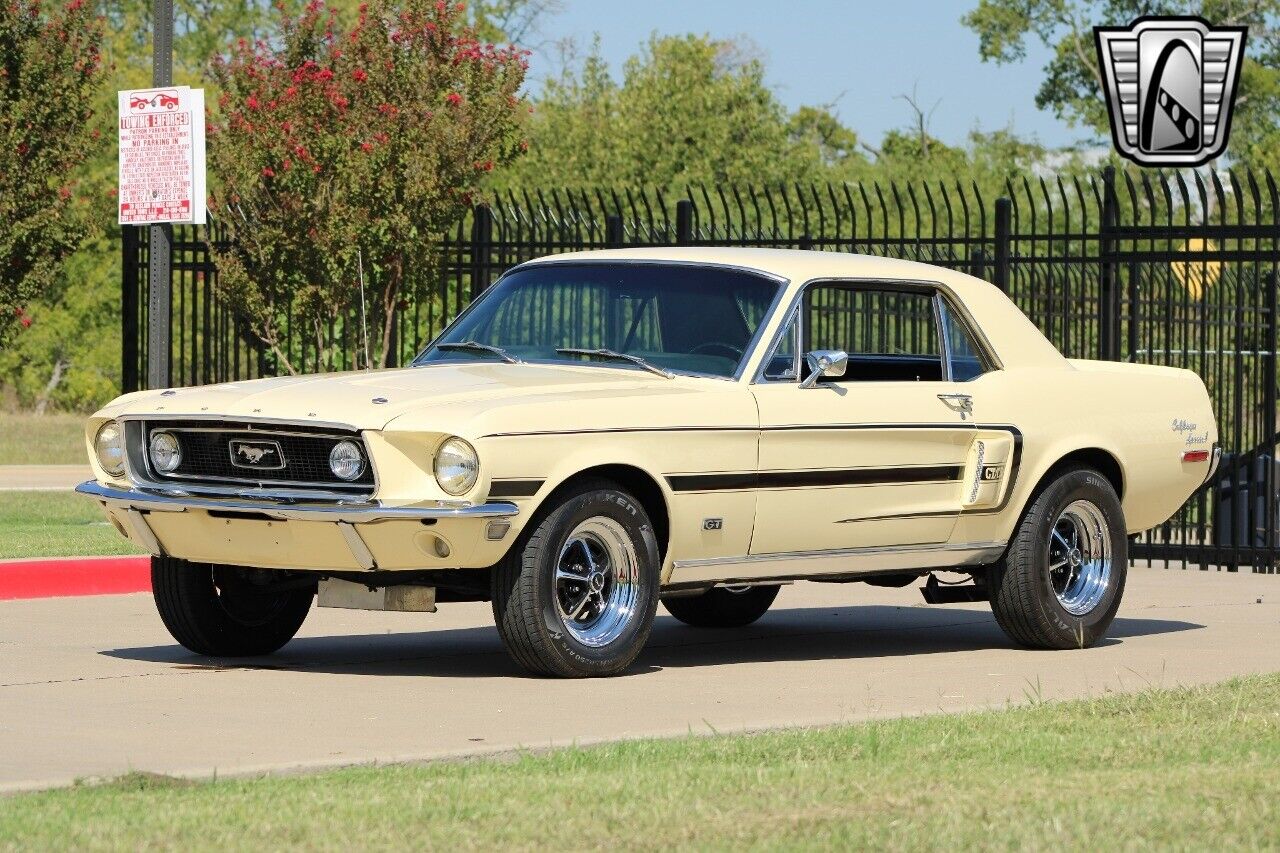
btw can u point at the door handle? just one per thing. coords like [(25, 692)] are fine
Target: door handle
[(962, 403)]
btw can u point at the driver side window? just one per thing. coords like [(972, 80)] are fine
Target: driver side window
[(890, 334)]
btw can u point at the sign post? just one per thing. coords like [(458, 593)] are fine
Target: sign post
[(162, 179), (160, 280)]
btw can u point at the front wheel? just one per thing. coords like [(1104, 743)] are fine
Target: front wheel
[(1059, 584), (576, 596), (227, 611)]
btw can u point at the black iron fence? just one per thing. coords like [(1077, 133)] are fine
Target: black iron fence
[(1158, 268)]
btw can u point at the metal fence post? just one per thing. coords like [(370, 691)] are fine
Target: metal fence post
[(978, 263), (1004, 224), (128, 308), (1269, 420), (613, 233), (684, 222), (1108, 293), (481, 248)]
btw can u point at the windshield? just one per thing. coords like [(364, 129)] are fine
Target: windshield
[(681, 318)]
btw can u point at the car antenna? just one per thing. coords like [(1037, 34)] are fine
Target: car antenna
[(364, 320)]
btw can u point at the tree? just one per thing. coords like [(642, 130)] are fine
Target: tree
[(1072, 86), (689, 108), (817, 132), (50, 63), (344, 154), (512, 21)]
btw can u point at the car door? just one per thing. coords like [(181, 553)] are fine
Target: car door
[(885, 455)]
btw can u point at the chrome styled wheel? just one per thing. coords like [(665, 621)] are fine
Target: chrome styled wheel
[(597, 581), (576, 596), (1061, 579), (1080, 559)]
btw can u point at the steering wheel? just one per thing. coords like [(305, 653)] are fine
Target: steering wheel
[(735, 353)]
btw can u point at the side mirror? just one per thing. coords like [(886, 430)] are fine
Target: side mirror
[(825, 364)]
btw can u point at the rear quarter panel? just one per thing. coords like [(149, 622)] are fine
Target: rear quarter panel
[(1143, 416)]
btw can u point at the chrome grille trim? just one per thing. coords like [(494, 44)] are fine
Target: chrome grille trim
[(138, 432)]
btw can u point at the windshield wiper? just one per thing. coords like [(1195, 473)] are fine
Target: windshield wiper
[(617, 356), (476, 346)]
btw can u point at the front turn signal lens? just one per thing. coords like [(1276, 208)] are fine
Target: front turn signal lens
[(109, 447), (457, 466)]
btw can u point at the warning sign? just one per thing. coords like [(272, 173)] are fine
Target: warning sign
[(162, 170)]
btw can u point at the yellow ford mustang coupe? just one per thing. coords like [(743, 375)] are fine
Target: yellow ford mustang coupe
[(601, 431)]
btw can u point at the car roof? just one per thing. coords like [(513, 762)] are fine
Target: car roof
[(1015, 339)]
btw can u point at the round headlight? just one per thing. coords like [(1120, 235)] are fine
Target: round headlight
[(345, 460), (457, 466), (109, 445), (166, 454)]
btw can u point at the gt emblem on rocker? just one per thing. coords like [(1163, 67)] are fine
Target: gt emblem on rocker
[(1170, 85), (259, 455)]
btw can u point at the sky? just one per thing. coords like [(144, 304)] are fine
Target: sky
[(858, 55)]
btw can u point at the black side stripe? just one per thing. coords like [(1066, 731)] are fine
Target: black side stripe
[(499, 489), (802, 479)]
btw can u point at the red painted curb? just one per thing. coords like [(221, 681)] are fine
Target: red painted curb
[(74, 576)]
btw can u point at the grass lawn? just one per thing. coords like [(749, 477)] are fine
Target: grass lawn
[(27, 439), (1196, 769), (56, 524)]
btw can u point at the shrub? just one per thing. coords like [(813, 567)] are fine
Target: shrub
[(347, 151), (50, 66)]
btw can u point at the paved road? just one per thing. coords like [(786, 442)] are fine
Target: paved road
[(94, 687), (42, 478)]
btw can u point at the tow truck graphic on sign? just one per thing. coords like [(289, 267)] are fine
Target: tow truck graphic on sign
[(159, 100)]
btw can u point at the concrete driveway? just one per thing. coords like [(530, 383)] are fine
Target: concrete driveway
[(43, 478), (93, 687)]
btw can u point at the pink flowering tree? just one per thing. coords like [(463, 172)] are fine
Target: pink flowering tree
[(337, 153), (50, 66)]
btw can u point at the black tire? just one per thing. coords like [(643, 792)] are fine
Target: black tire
[(224, 611), (721, 607), (528, 600), (1025, 592)]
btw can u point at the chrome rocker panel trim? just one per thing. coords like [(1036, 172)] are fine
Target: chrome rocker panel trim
[(353, 512), (798, 565)]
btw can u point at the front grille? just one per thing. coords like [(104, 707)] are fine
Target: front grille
[(207, 455)]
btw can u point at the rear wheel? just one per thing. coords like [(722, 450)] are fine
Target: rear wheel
[(577, 595), (1060, 583), (722, 606), (226, 611)]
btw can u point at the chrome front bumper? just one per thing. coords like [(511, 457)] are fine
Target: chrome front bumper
[(355, 512), (138, 501)]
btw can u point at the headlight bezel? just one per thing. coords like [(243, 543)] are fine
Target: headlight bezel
[(464, 462), (99, 451)]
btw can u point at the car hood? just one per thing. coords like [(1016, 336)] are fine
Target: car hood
[(371, 400)]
